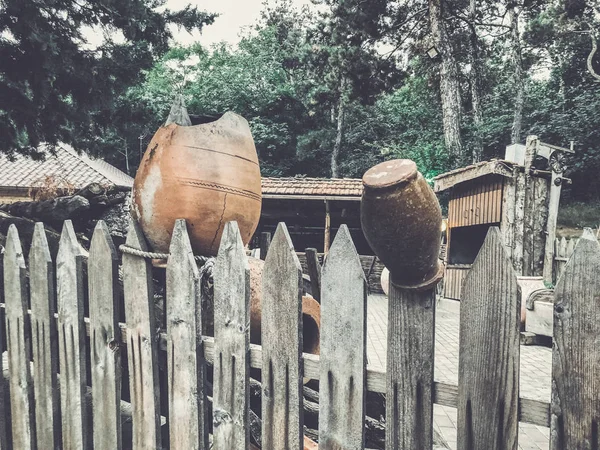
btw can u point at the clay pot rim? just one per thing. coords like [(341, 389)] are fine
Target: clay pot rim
[(212, 122), (403, 177), (427, 284)]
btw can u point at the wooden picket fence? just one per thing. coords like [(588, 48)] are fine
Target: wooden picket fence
[(51, 406)]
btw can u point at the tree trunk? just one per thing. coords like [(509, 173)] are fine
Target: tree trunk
[(474, 59), (341, 116), (518, 81), (449, 86)]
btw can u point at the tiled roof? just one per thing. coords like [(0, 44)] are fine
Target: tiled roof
[(318, 187), (67, 166), (494, 167)]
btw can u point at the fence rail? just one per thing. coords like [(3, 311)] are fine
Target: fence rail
[(141, 399)]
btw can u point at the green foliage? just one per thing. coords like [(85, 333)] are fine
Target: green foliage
[(54, 86)]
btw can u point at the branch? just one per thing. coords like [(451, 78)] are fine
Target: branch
[(591, 56)]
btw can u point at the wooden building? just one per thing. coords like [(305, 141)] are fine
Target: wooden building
[(313, 210), (519, 194)]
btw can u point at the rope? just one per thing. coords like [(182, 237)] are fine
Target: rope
[(153, 255)]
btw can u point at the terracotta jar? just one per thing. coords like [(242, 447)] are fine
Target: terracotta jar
[(401, 219), (207, 174)]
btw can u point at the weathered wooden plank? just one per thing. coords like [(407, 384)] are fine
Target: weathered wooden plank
[(343, 348), (71, 341), (20, 383), (265, 243), (45, 342), (103, 279), (488, 390), (411, 328), (281, 339), (519, 227), (553, 204), (575, 354), (232, 343), (186, 366), (314, 272), (141, 344)]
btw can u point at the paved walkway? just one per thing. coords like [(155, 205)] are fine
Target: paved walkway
[(535, 376)]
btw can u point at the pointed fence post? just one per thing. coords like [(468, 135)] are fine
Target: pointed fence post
[(343, 348), (142, 346), (576, 355), (72, 341), (20, 383), (45, 342), (232, 343), (103, 278), (410, 356), (186, 365), (282, 413), (488, 383)]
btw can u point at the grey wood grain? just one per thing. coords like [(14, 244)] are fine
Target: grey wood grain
[(265, 243), (141, 344), (71, 340), (488, 392), (186, 366), (409, 385), (103, 279), (576, 355), (45, 341), (282, 345), (553, 203), (314, 272), (343, 347), (20, 383), (232, 343)]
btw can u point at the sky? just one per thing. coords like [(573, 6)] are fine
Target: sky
[(234, 16)]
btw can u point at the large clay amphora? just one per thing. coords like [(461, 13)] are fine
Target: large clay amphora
[(207, 174)]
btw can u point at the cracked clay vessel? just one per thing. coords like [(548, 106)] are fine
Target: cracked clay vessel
[(207, 174), (401, 219)]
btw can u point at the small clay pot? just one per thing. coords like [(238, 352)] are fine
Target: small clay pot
[(401, 219)]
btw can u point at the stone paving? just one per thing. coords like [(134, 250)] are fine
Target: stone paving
[(536, 364)]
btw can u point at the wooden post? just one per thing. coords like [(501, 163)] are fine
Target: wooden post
[(343, 348), (575, 354), (314, 272), (488, 370), (232, 343), (186, 366), (103, 281), (529, 209), (20, 383), (282, 413), (411, 343), (327, 238), (45, 341), (265, 242), (72, 341), (142, 345), (553, 203)]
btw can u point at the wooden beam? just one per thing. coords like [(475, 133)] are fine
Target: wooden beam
[(311, 197), (327, 238), (314, 272), (553, 203)]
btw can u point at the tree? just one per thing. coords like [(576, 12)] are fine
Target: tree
[(449, 83), (55, 86)]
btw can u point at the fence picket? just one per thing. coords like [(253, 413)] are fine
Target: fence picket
[(575, 355), (71, 340), (142, 352), (186, 366), (343, 347), (409, 379), (103, 278), (488, 391), (282, 414), (45, 342), (232, 343), (20, 383)]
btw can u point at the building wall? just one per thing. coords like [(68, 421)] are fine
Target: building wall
[(12, 195)]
